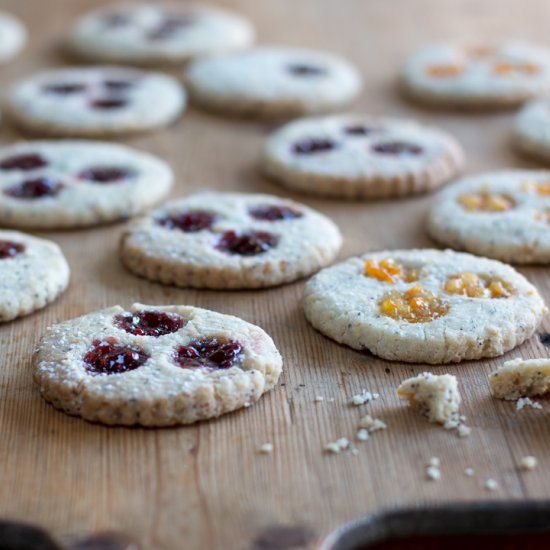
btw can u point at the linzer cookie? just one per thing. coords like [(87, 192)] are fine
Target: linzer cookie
[(503, 215), (12, 36), (360, 156), (532, 130), (155, 365), (424, 306), (95, 101), (229, 240), (158, 32), (62, 184), (477, 75), (276, 81), (34, 273)]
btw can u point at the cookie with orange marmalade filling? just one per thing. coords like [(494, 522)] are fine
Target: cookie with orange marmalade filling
[(503, 215), (477, 75), (425, 306)]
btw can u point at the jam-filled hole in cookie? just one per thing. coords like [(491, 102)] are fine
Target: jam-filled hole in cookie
[(273, 212), (149, 322), (109, 103), (397, 148), (170, 25), (188, 222), (504, 68), (390, 271), (474, 285), (541, 188), (416, 305), (64, 88), (445, 70), (10, 249), (306, 69), (313, 145), (107, 357), (483, 201), (23, 162), (360, 130), (250, 243), (210, 353), (35, 189), (106, 174)]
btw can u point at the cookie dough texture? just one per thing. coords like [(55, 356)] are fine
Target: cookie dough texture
[(435, 396), (520, 234), (532, 130), (151, 100), (81, 202), (455, 75), (33, 278), (344, 304), (171, 256), (13, 36), (521, 378), (352, 169), (166, 32), (160, 392), (273, 81)]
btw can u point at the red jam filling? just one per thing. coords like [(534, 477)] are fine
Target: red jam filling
[(105, 174), (116, 84), (149, 323), (272, 213), (359, 130), (397, 148), (308, 146), (9, 249), (210, 353), (35, 189), (66, 88), (24, 161), (109, 103), (250, 243), (108, 357), (302, 69), (168, 26), (188, 222)]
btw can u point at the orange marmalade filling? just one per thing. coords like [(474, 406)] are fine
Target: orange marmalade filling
[(388, 271), (477, 286), (506, 67), (416, 305), (480, 51), (487, 202), (542, 188), (444, 70)]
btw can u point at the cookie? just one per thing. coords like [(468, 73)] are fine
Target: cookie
[(477, 76), (158, 33), (273, 81), (521, 378), (360, 156), (95, 101), (34, 273), (532, 130), (63, 184), (424, 306), (503, 215), (229, 240), (155, 365), (13, 36)]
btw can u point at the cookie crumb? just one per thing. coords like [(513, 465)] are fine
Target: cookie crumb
[(469, 472), (337, 446), (463, 430), (266, 448), (435, 462), (433, 473), (491, 485), (362, 434), (365, 397), (528, 463), (372, 424), (318, 398), (523, 402)]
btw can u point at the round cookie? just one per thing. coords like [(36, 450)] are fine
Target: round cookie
[(532, 130), (273, 81), (503, 215), (155, 365), (479, 76), (63, 184), (424, 306), (34, 273), (360, 157), (96, 101), (13, 36), (158, 33), (229, 240)]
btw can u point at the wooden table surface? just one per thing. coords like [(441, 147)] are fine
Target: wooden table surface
[(205, 486)]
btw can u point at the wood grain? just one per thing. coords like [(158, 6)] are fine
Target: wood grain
[(205, 486)]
